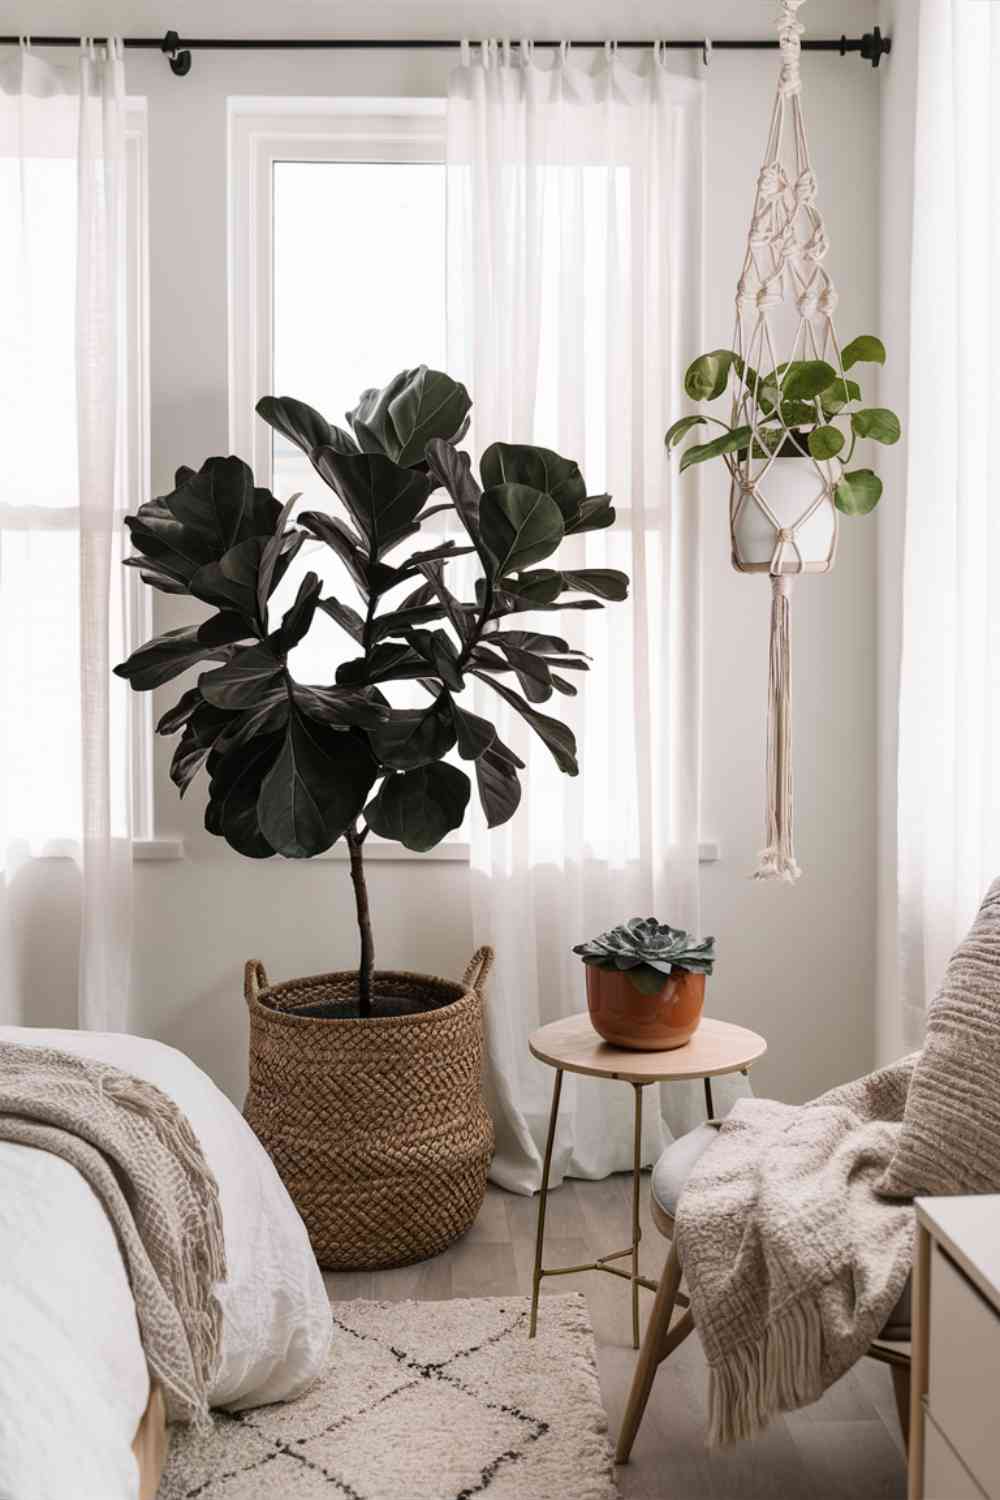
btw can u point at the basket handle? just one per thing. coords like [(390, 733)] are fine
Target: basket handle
[(254, 980), (478, 970)]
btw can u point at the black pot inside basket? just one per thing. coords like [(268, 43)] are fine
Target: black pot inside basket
[(382, 1006)]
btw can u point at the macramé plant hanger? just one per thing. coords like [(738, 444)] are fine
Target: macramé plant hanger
[(783, 520), (784, 445)]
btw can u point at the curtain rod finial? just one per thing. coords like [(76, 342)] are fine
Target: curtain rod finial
[(875, 46)]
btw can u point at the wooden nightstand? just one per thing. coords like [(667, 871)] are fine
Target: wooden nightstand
[(955, 1394)]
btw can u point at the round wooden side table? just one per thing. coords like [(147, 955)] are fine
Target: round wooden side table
[(573, 1046)]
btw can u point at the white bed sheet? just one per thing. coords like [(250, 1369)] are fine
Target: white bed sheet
[(73, 1379)]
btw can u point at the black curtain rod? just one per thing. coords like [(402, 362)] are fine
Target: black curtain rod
[(872, 47)]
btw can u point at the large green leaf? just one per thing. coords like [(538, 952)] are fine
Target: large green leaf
[(453, 471), (498, 784), (461, 618), (339, 537), (167, 656), (217, 503), (419, 808), (474, 734), (414, 737), (681, 428), (558, 738), (803, 379), (865, 349), (825, 442), (389, 661), (429, 405), (175, 718), (235, 786), (519, 526), (341, 707), (244, 680), (404, 416), (539, 469), (606, 583), (539, 585), (231, 583), (303, 425), (836, 396), (876, 422), (532, 671), (298, 617), (594, 514), (707, 376), (203, 729), (383, 499), (269, 559), (438, 649), (858, 492), (315, 789), (726, 442), (347, 618)]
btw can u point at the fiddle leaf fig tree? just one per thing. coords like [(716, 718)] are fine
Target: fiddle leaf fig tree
[(294, 766)]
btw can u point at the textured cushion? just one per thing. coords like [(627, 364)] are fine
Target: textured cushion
[(949, 1141), (674, 1167)]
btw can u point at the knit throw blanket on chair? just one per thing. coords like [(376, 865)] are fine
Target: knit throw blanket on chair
[(793, 1261), (139, 1154)]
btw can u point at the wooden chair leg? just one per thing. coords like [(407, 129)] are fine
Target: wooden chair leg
[(654, 1349), (901, 1391)]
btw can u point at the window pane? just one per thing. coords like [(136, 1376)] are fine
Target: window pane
[(359, 281)]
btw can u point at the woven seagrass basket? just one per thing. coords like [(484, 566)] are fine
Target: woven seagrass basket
[(377, 1127)]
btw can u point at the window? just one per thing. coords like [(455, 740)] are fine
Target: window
[(337, 281)]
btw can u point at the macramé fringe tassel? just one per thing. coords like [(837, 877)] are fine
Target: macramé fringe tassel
[(777, 860), (780, 1372)]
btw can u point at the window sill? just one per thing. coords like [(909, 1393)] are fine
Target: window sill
[(150, 851)]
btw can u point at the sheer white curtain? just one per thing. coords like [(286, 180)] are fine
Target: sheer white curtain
[(574, 305), (949, 710), (64, 797)]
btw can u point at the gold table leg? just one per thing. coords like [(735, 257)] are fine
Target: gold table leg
[(536, 1279), (601, 1264)]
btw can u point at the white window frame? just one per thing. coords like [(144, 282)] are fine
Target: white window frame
[(261, 133)]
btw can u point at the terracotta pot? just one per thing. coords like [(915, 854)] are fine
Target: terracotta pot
[(625, 1017)]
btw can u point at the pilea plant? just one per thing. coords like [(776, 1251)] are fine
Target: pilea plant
[(803, 402), (295, 766), (648, 952)]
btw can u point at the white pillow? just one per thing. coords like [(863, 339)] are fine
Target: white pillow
[(276, 1315)]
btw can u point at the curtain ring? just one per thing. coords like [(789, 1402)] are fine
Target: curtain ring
[(485, 50), (611, 50), (506, 52), (706, 51), (564, 52), (465, 53), (527, 52)]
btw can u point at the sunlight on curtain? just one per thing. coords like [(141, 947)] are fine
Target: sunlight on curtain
[(949, 710), (64, 791), (574, 306)]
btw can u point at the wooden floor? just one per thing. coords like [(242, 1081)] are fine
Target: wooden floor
[(846, 1447)]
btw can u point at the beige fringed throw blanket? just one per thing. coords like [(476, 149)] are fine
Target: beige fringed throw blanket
[(142, 1159), (793, 1261)]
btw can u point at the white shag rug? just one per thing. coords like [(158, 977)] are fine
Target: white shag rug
[(421, 1401)]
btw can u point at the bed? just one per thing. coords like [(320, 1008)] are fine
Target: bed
[(78, 1415)]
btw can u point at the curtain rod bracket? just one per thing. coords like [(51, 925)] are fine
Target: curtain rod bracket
[(180, 61)]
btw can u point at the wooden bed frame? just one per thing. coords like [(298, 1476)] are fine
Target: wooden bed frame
[(150, 1444)]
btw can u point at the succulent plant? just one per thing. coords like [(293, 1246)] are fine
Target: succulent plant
[(648, 951)]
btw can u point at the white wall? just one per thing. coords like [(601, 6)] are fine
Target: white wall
[(797, 964)]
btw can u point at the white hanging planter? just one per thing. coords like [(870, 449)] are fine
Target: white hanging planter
[(787, 521)]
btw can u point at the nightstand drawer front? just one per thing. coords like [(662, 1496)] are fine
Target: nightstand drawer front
[(965, 1372)]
